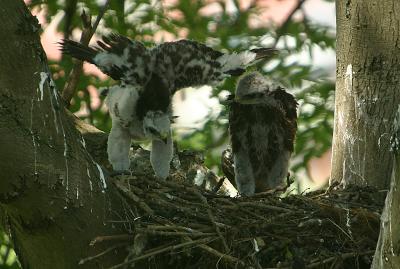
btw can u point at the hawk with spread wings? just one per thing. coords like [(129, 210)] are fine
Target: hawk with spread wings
[(140, 106)]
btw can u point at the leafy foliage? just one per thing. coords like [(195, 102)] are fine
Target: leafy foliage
[(8, 260)]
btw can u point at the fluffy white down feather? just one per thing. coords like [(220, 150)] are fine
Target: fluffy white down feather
[(121, 102)]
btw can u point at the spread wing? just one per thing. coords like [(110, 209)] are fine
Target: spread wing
[(116, 55), (187, 63)]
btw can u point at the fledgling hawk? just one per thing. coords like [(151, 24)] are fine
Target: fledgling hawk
[(140, 106), (262, 126)]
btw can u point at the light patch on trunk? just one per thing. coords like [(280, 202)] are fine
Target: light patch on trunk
[(90, 182), (53, 106), (348, 222), (353, 139), (349, 79), (380, 138), (83, 142), (56, 115), (387, 216), (395, 139), (65, 157), (43, 78), (341, 120), (33, 140), (102, 178)]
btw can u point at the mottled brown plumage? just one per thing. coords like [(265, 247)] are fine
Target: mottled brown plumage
[(262, 126)]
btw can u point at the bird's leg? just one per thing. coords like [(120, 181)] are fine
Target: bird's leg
[(244, 173), (119, 143), (161, 155)]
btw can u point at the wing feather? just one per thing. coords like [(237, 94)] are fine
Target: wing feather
[(116, 56)]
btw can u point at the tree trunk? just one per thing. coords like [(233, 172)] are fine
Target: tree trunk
[(54, 197), (368, 74), (387, 255)]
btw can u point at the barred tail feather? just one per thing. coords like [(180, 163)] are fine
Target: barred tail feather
[(78, 51), (91, 55)]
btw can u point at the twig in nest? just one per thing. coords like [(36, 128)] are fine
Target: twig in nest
[(212, 219), (133, 197), (85, 260), (340, 228), (185, 213), (87, 33), (264, 206), (171, 227), (342, 256), (100, 239), (159, 251), (176, 233), (225, 257)]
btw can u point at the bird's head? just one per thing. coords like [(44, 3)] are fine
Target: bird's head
[(254, 89), (157, 125), (251, 89)]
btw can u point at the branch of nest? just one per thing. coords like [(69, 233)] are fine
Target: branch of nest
[(177, 224)]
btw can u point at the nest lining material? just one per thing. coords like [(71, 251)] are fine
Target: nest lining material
[(178, 225)]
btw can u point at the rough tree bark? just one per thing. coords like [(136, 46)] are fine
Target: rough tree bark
[(368, 75), (387, 254), (54, 198)]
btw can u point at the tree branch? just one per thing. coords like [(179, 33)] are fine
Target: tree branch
[(285, 24), (87, 33)]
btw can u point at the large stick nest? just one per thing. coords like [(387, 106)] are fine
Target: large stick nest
[(175, 224)]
